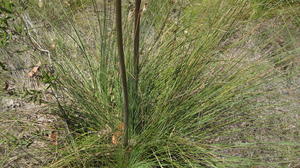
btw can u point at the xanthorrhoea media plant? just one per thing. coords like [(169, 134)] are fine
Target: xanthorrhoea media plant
[(189, 85)]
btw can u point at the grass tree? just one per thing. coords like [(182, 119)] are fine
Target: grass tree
[(189, 82)]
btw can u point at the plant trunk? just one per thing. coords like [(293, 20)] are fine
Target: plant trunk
[(122, 69), (137, 42), (136, 56)]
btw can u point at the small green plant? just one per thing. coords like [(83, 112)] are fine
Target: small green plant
[(6, 14)]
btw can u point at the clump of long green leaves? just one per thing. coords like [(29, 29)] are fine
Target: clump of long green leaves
[(194, 86)]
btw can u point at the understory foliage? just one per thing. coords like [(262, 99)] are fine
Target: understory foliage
[(203, 76)]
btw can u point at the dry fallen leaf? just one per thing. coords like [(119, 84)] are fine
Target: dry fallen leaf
[(34, 70), (115, 139), (53, 138), (121, 127)]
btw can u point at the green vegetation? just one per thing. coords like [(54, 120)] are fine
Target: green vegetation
[(205, 81), (6, 12)]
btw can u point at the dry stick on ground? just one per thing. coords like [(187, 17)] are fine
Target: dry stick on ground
[(122, 68), (29, 26)]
